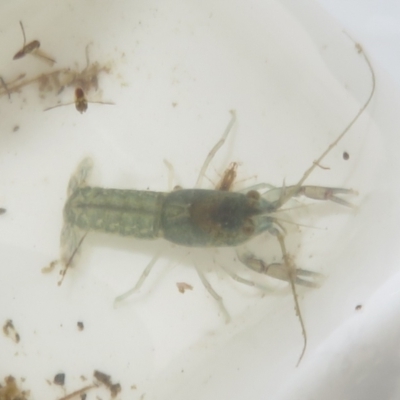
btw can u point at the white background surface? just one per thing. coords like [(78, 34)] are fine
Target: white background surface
[(295, 81)]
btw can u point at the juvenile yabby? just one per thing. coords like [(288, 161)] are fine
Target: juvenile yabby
[(195, 218)]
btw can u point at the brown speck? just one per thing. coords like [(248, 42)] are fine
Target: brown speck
[(11, 390), (10, 331), (2, 211), (105, 379), (49, 268), (80, 325), (358, 307), (182, 286), (115, 389), (174, 104), (346, 155), (16, 128), (102, 377), (59, 379)]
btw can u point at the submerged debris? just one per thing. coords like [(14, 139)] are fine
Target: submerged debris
[(10, 331), (56, 81), (11, 391), (105, 379), (182, 286), (59, 379)]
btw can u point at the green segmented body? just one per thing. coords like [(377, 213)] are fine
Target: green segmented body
[(189, 217), (123, 212)]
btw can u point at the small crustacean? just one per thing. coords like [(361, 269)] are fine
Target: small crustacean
[(32, 48), (197, 217)]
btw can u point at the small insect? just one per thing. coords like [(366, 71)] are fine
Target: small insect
[(228, 178), (198, 218), (81, 103), (32, 48)]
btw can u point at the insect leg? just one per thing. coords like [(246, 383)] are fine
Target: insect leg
[(214, 150), (140, 282), (5, 87), (213, 293), (23, 33), (43, 56), (59, 105)]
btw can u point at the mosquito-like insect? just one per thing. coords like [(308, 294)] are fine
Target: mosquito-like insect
[(84, 80), (228, 178), (81, 103), (198, 217), (32, 48)]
